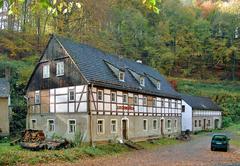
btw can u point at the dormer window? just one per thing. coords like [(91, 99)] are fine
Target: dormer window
[(158, 85), (121, 76), (142, 81)]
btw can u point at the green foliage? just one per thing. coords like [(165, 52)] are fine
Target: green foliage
[(225, 94), (78, 138)]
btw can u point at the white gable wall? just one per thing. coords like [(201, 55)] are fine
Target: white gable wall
[(186, 117)]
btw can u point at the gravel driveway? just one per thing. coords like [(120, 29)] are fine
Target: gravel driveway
[(194, 153)]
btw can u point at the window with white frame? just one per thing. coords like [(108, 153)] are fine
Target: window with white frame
[(135, 100), (144, 100), (113, 126), (60, 69), (154, 102), (46, 71), (145, 124), (121, 76), (100, 95), (155, 124), (142, 81), (71, 126), (209, 123), (169, 103), (125, 98), (33, 123), (71, 95), (100, 126), (51, 125), (113, 96), (162, 103), (169, 124), (158, 85), (37, 97)]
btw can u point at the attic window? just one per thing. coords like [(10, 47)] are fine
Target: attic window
[(142, 81), (121, 76), (60, 69), (158, 85)]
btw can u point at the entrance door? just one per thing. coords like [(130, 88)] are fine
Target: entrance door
[(124, 129), (204, 124), (162, 125), (216, 121)]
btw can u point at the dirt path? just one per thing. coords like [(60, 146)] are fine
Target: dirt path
[(194, 153)]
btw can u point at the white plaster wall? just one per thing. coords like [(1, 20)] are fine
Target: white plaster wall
[(186, 117)]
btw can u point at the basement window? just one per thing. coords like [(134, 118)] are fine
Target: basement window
[(71, 126), (51, 125), (33, 124)]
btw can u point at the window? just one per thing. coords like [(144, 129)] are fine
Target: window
[(100, 126), (195, 123), (34, 123), (37, 97), (162, 103), (169, 124), (71, 95), (51, 125), (113, 97), (209, 123), (135, 100), (158, 85), (144, 100), (113, 126), (175, 123), (200, 123), (154, 124), (175, 104), (60, 69), (183, 108), (46, 71), (145, 124), (100, 95), (71, 126), (125, 98), (121, 76), (154, 102), (169, 104), (142, 81)]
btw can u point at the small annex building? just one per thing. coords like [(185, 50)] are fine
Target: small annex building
[(76, 88), (200, 113), (4, 107)]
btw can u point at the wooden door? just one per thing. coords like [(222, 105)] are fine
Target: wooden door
[(216, 123), (162, 125), (124, 129), (204, 124)]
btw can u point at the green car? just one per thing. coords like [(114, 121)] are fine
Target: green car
[(220, 142)]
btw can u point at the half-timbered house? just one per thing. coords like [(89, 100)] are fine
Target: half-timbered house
[(76, 88), (200, 113)]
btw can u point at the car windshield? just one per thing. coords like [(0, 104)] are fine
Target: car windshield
[(219, 138)]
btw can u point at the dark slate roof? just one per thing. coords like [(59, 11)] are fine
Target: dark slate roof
[(200, 103), (4, 88), (92, 64)]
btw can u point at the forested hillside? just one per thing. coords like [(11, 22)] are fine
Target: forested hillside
[(197, 39)]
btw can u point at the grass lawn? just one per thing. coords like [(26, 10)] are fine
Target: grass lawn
[(12, 155), (235, 129), (159, 142)]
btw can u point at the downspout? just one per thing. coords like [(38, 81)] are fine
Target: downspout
[(90, 114)]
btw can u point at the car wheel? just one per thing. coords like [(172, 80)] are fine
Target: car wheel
[(212, 149), (226, 149)]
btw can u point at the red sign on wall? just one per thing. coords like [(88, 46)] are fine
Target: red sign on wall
[(125, 107)]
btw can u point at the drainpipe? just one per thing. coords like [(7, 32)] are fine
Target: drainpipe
[(90, 114)]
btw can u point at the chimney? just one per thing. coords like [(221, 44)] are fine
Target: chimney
[(139, 61)]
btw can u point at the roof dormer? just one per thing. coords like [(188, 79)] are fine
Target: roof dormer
[(120, 74), (155, 81), (140, 78)]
